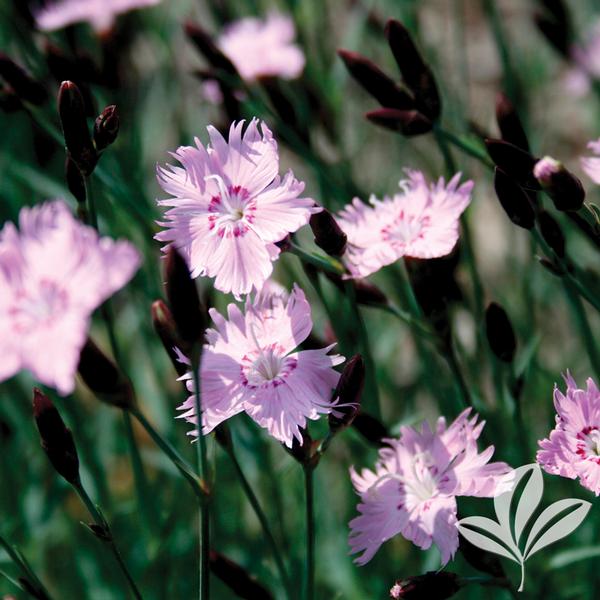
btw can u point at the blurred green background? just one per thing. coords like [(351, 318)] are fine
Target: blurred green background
[(161, 106)]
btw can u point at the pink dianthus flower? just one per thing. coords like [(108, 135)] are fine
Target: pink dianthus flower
[(251, 364), (420, 222), (573, 448), (263, 48), (591, 164), (230, 207), (53, 273), (415, 483), (100, 14)]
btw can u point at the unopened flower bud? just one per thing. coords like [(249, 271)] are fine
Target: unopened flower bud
[(328, 234), (509, 123), (347, 394), (23, 85), (373, 430), (374, 81), (514, 200), (561, 185), (555, 26), (500, 333), (515, 162), (407, 122), (104, 378), (415, 72), (184, 301), (241, 583), (75, 129), (552, 233), (75, 180), (435, 585), (165, 327), (204, 43), (56, 438), (106, 127)]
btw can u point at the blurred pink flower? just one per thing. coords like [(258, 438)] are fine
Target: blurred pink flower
[(591, 164), (586, 58), (573, 448), (263, 48), (230, 207), (420, 222), (53, 273), (250, 364), (100, 14), (415, 483)]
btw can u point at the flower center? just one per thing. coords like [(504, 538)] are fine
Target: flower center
[(404, 230), (231, 210), (32, 311), (588, 445)]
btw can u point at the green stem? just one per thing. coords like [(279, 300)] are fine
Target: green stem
[(310, 534), (171, 453), (204, 523), (264, 523), (465, 146), (331, 265), (28, 575), (451, 359), (372, 405), (105, 534)]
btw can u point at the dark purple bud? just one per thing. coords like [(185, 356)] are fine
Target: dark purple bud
[(56, 438), (165, 327), (432, 586), (182, 295), (376, 82), (75, 180), (416, 73), (516, 163), (561, 185), (75, 129), (104, 378), (348, 394), (328, 234), (514, 200), (483, 561), (500, 333), (373, 430), (106, 127), (204, 43), (552, 233), (241, 583), (554, 24), (23, 85), (509, 123), (407, 122)]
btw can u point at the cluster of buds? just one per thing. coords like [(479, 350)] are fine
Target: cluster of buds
[(410, 107), (20, 86), (519, 175), (83, 148)]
